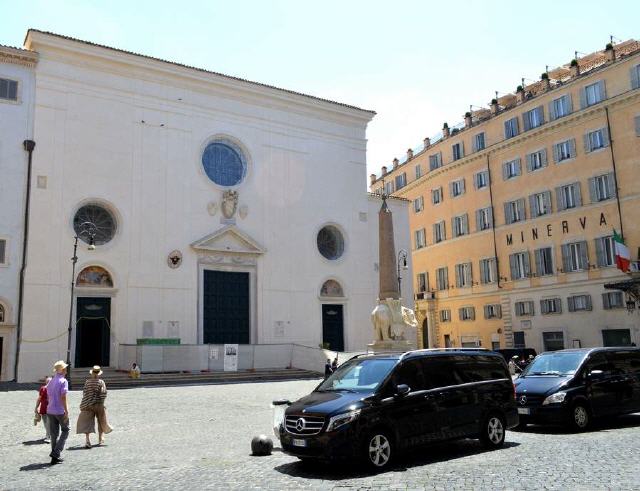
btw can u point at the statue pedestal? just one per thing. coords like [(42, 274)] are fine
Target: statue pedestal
[(399, 346)]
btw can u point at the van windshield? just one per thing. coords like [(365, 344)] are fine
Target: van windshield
[(566, 363), (363, 375)]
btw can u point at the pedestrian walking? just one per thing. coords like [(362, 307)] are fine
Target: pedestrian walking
[(327, 368), (58, 411), (514, 369), (41, 409), (92, 407), (334, 365)]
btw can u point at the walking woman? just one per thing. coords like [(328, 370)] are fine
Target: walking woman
[(92, 407)]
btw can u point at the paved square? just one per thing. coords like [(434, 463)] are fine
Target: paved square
[(199, 437)]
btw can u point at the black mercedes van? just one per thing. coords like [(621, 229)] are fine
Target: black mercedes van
[(375, 406), (573, 386)]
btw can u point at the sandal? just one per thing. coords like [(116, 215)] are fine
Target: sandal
[(87, 445)]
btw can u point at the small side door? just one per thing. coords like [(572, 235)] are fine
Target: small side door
[(600, 386)]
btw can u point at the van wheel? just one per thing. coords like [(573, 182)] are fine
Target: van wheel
[(378, 449), (580, 418), (493, 431)]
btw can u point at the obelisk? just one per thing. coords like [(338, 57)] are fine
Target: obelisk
[(387, 254)]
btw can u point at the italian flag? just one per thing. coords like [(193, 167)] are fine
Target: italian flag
[(623, 257)]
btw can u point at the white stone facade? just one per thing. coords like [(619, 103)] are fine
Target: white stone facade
[(128, 132), (16, 126)]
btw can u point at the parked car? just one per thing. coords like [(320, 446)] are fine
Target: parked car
[(574, 386), (375, 406)]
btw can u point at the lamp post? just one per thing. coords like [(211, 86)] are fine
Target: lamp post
[(401, 262), (89, 229)]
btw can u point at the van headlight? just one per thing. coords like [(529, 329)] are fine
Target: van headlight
[(556, 398), (342, 419)]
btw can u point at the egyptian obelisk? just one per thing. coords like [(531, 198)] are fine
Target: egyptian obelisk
[(387, 254)]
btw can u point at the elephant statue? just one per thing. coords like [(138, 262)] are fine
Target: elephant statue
[(382, 319)]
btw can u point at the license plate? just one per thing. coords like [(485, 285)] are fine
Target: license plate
[(524, 410), (298, 442)]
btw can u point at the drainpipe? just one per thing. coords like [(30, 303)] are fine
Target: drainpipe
[(493, 223), (615, 173), (29, 146)]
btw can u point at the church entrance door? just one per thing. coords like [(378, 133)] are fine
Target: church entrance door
[(93, 327), (333, 326), (226, 308)]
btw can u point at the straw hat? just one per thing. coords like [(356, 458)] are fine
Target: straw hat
[(96, 370), (59, 365)]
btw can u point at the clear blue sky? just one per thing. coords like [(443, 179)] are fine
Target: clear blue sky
[(416, 63)]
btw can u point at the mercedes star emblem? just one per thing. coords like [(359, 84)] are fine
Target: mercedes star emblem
[(523, 400), (300, 424)]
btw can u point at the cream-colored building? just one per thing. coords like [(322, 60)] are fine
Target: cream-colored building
[(514, 210)]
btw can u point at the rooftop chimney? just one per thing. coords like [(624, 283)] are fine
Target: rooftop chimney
[(409, 154), (427, 142), (494, 106), (395, 163), (609, 52), (445, 130), (467, 120), (384, 170), (372, 179), (575, 68)]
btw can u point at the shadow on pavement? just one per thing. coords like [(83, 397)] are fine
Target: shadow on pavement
[(416, 458), (34, 467), (35, 442), (601, 424), (78, 447)]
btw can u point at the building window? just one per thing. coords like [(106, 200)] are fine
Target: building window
[(568, 196), (602, 188), (439, 233), (464, 277), (544, 261), (467, 313), (418, 171), (511, 128), (457, 150), (612, 300), (401, 180), (537, 160), (560, 107), (595, 140), (423, 283), (484, 219), (593, 94), (511, 169), (635, 77), (514, 211), (479, 142), (418, 204), (445, 315), (551, 306), (460, 225), (456, 188), (578, 303), (637, 123), (421, 240), (518, 339), (540, 204), (435, 161), (553, 341), (98, 215), (488, 270), (533, 118), (524, 308), (492, 311), (224, 163), (564, 150), (605, 251), (8, 89), (330, 242), (442, 278), (575, 257), (388, 188), (3, 252), (519, 265), (481, 179), (436, 196)]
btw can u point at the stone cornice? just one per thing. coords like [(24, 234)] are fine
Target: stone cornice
[(17, 56)]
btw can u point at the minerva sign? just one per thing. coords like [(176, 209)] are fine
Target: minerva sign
[(548, 230)]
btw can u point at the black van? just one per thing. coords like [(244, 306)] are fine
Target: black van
[(573, 386), (374, 406)]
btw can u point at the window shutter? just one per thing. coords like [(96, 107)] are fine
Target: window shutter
[(469, 275), (476, 177), (526, 118), (486, 312), (593, 190), (538, 259), (443, 229), (605, 136), (611, 184), (462, 189), (588, 302), (584, 255), (558, 302), (602, 88), (446, 277), (518, 167), (499, 311), (505, 171), (586, 142), (544, 306), (540, 111), (458, 277), (556, 157), (527, 264), (465, 223), (461, 149), (506, 129), (512, 265), (472, 313), (518, 308), (435, 231), (533, 206), (566, 257), (460, 313), (560, 203), (635, 77), (451, 189), (543, 157), (478, 220), (490, 216), (521, 209), (583, 98), (507, 213), (483, 271), (606, 301), (454, 229), (637, 121), (552, 113), (577, 194), (572, 147), (529, 159), (571, 302), (546, 197), (600, 260)]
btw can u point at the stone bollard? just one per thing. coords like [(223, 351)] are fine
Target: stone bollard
[(261, 445)]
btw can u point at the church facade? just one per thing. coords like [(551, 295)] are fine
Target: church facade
[(208, 210)]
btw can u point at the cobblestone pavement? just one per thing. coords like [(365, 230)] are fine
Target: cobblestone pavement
[(199, 437)]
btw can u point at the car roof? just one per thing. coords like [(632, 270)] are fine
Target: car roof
[(428, 352), (593, 350)]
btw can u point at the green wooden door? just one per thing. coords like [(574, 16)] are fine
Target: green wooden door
[(225, 315)]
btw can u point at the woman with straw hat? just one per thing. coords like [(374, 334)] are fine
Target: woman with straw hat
[(92, 407)]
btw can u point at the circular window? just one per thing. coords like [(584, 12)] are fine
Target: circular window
[(97, 220), (330, 242), (224, 163)]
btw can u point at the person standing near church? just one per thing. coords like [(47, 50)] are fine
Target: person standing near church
[(41, 408), (58, 411)]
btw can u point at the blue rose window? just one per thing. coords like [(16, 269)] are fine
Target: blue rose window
[(224, 163)]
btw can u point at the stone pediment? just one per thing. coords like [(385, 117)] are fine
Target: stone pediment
[(228, 239)]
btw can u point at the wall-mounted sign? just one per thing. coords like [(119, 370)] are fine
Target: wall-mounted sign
[(230, 357), (548, 230)]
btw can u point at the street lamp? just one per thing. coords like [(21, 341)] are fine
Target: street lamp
[(88, 229), (401, 262)]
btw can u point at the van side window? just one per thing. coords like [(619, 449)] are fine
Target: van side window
[(626, 362), (440, 372), (409, 373), (598, 361)]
